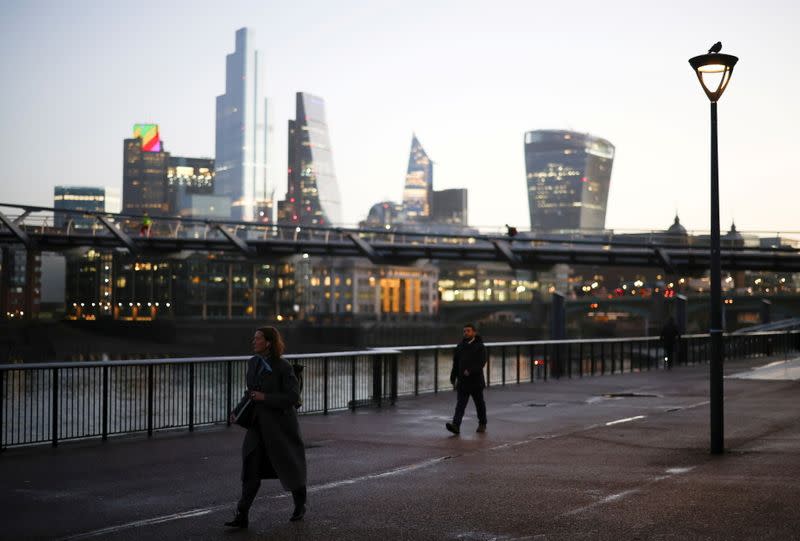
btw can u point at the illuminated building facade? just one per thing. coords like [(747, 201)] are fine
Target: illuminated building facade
[(568, 177), (241, 129), (484, 282), (18, 267), (144, 175), (191, 189), (77, 198), (312, 196), (104, 284), (318, 288), (418, 191)]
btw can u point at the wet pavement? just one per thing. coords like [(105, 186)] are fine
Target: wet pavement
[(609, 457)]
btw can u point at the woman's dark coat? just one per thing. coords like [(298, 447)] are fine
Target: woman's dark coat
[(273, 447)]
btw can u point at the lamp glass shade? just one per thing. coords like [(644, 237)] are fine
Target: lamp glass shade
[(714, 72)]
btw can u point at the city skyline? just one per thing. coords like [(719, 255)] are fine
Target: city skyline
[(455, 86)]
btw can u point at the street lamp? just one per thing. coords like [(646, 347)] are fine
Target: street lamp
[(714, 72)]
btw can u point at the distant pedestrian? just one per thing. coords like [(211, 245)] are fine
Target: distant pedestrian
[(466, 375), (669, 335), (147, 222), (273, 447)]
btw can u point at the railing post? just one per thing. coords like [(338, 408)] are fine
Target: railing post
[(416, 372), (602, 358), (228, 391), (54, 375), (2, 400), (377, 380), (613, 356), (105, 404), (488, 367), (519, 358), (503, 367), (149, 400), (353, 383), (394, 367), (532, 362), (569, 359), (546, 359), (325, 385), (580, 359), (191, 397), (436, 370)]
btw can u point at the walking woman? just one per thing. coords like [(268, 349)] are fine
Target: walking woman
[(273, 447)]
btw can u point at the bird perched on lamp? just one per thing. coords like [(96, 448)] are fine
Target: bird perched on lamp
[(717, 47)]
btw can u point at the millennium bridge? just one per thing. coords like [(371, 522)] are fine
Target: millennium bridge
[(35, 228)]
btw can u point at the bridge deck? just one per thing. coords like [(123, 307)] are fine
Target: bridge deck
[(560, 461)]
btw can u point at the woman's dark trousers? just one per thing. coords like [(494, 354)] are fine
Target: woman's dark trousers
[(250, 489)]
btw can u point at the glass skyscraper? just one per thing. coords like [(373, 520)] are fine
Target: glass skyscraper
[(312, 197), (568, 176), (418, 192), (241, 140), (144, 177)]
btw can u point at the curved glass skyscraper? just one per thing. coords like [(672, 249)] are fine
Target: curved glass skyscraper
[(312, 197), (568, 176)]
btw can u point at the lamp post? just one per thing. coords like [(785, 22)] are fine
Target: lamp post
[(714, 72)]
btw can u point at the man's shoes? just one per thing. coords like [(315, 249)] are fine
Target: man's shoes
[(452, 428), (299, 513), (481, 428), (239, 521)]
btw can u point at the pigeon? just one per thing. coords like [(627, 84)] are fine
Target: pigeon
[(717, 47)]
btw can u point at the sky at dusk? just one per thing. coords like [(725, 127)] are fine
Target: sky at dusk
[(468, 77)]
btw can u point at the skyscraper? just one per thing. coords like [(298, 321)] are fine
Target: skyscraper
[(568, 176), (241, 140), (312, 196), (450, 207), (144, 173), (418, 192)]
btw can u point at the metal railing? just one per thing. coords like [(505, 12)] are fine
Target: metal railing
[(74, 223), (52, 402)]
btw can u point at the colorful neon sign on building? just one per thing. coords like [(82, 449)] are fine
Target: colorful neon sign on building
[(151, 142)]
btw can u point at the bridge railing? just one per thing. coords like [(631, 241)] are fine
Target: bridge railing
[(52, 402)]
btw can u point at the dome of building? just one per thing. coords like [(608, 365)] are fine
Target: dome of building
[(733, 236), (676, 229)]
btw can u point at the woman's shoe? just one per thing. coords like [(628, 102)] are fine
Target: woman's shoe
[(239, 521), (299, 513)]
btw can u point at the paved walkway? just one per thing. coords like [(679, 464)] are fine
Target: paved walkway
[(612, 457)]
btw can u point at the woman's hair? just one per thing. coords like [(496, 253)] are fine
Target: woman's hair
[(276, 345)]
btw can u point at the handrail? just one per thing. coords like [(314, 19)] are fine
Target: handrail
[(364, 352), (192, 360), (653, 239)]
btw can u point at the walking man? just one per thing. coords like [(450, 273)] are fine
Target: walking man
[(669, 335), (469, 359)]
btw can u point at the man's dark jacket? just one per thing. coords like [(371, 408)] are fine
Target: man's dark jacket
[(469, 355)]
